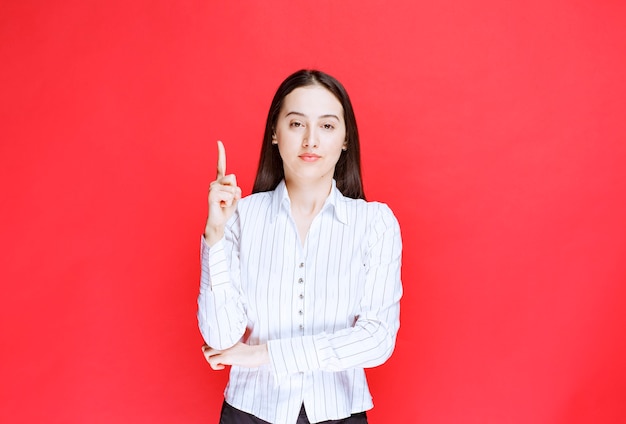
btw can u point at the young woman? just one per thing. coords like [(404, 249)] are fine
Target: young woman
[(300, 281)]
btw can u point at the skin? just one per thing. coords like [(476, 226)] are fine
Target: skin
[(310, 135)]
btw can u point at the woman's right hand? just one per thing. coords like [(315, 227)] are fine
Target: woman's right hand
[(223, 197)]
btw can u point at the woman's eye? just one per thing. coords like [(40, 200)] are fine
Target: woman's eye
[(328, 126), (295, 124)]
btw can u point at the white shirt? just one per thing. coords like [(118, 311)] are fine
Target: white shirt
[(326, 309)]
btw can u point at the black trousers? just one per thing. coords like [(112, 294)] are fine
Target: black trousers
[(232, 415)]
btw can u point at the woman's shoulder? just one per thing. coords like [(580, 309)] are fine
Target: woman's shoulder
[(371, 205), (373, 220), (255, 200), (372, 211)]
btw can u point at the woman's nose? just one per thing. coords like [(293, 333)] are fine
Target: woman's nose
[(310, 138)]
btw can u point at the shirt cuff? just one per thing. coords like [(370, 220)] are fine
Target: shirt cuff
[(215, 272), (300, 354)]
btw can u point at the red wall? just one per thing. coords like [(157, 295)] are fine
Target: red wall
[(495, 130)]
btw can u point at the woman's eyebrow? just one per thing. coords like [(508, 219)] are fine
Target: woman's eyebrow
[(329, 115), (295, 113)]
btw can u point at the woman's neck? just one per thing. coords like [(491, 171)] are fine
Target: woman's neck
[(308, 198)]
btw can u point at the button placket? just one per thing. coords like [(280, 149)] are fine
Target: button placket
[(300, 291)]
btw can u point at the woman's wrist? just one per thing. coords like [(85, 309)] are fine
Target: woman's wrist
[(212, 234), (264, 355)]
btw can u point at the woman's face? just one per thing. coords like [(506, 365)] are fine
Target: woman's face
[(310, 133)]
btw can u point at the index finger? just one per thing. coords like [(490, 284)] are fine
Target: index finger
[(221, 160)]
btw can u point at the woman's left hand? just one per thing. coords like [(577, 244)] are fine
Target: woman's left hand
[(240, 354)]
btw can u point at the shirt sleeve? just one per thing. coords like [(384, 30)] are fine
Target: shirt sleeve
[(371, 340), (221, 310)]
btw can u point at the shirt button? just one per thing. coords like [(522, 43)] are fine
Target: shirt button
[(301, 296), (301, 265), (301, 327), (300, 280), (300, 312)]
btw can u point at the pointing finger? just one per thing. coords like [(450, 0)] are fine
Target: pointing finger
[(221, 160)]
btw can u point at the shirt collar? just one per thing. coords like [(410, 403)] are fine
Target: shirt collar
[(335, 200)]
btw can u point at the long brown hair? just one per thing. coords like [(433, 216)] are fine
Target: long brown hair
[(348, 168)]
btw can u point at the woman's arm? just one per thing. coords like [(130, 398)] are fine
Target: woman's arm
[(221, 312), (372, 338), (241, 354)]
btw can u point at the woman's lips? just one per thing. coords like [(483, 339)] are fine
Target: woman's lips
[(309, 157)]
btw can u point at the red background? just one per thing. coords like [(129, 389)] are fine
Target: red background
[(495, 130)]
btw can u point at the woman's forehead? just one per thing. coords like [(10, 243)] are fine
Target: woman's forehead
[(312, 101)]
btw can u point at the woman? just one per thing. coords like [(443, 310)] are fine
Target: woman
[(300, 281)]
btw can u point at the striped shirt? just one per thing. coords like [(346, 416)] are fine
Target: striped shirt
[(327, 308)]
